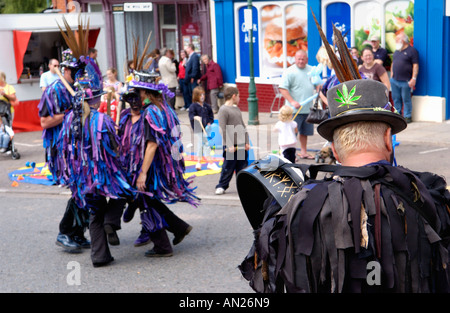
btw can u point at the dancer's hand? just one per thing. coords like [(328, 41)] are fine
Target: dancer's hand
[(140, 183)]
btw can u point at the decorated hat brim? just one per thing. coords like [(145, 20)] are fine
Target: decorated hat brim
[(150, 86), (327, 127)]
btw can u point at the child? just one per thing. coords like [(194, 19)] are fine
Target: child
[(287, 128), (113, 98), (200, 113), (235, 139), (6, 134), (111, 75)]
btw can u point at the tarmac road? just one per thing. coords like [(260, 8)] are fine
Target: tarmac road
[(205, 262)]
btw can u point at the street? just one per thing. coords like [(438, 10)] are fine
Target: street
[(205, 262)]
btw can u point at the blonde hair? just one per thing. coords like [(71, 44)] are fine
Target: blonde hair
[(285, 113), (359, 136)]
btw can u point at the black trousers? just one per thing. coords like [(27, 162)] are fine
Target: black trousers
[(102, 213), (233, 162), (175, 225), (289, 154), (74, 220)]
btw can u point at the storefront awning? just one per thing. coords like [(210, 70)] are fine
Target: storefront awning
[(21, 40)]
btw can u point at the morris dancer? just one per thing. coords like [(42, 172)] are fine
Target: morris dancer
[(56, 101)]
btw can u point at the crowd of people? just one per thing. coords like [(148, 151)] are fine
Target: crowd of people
[(399, 75)]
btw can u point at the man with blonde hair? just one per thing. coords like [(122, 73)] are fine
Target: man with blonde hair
[(371, 226)]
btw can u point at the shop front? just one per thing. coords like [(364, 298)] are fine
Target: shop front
[(282, 27), (173, 24), (29, 41)]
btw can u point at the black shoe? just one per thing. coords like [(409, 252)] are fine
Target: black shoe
[(68, 243), (82, 241), (113, 239), (129, 211), (408, 120), (153, 254), (100, 264), (179, 238)]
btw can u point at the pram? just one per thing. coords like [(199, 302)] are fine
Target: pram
[(6, 116)]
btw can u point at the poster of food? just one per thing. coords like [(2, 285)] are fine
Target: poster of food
[(273, 22), (399, 18), (367, 22)]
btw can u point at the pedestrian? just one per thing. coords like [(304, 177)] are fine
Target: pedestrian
[(56, 101), (214, 81), (182, 79), (112, 81), (296, 86), (50, 76), (8, 94), (235, 140), (372, 69), (356, 56), (404, 71), (168, 69), (287, 130), (380, 54), (201, 117), (92, 53), (154, 58), (192, 71)]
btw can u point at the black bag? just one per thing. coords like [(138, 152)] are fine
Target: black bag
[(316, 115)]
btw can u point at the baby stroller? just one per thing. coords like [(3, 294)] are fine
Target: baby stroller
[(6, 116)]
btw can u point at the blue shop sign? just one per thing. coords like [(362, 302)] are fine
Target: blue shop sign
[(244, 41)]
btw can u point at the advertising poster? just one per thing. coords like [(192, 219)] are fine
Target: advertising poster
[(339, 15), (276, 50), (367, 22), (244, 44), (399, 18)]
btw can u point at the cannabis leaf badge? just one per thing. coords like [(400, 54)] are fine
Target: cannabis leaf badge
[(346, 98)]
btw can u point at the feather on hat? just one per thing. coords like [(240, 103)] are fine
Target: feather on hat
[(354, 99)]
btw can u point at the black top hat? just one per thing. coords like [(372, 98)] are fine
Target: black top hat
[(360, 100)]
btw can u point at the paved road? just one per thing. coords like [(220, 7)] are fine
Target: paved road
[(206, 261)]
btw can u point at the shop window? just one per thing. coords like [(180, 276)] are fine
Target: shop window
[(168, 26), (279, 30), (190, 25), (42, 47), (382, 18)]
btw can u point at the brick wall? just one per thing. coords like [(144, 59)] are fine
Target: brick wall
[(264, 93)]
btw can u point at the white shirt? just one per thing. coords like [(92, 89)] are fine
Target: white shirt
[(286, 134), (47, 79)]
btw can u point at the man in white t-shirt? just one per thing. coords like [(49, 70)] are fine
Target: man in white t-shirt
[(296, 87), (50, 76)]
